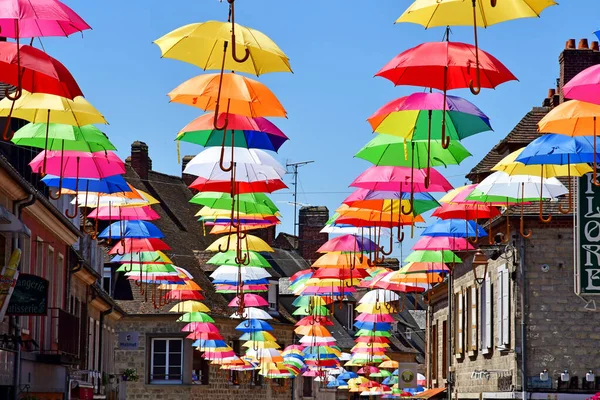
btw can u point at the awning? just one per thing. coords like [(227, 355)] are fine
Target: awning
[(11, 224), (430, 394)]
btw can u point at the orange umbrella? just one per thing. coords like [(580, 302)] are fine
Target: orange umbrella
[(236, 94), (312, 330), (341, 260)]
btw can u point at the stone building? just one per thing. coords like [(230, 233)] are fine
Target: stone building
[(522, 332)]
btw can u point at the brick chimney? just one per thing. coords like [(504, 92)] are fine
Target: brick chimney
[(187, 178), (266, 234), (311, 219), (139, 159), (574, 60)]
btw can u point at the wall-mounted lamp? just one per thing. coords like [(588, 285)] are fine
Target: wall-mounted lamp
[(590, 377), (479, 259), (564, 377), (544, 375)]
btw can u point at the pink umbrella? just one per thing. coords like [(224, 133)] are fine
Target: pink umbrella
[(585, 86), (250, 300), (401, 179), (375, 318), (352, 243), (36, 18), (78, 164), (200, 327), (246, 288), (443, 243), (379, 283), (145, 213)]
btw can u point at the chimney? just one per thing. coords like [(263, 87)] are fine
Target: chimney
[(594, 46), (266, 234), (311, 219), (140, 161), (187, 178), (574, 60)]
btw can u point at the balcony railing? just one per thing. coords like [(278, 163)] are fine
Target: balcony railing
[(64, 333)]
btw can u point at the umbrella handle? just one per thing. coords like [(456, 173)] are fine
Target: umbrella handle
[(475, 88), (410, 208), (6, 135), (60, 181), (570, 209), (216, 116), (544, 220), (233, 53), (67, 213), (445, 139), (493, 3), (221, 165), (387, 253), (221, 250), (400, 235)]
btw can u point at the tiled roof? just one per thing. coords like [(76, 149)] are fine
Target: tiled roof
[(286, 263), (521, 135)]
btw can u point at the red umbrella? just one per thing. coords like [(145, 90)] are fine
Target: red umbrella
[(468, 211), (267, 186), (125, 246), (184, 295), (375, 318), (372, 339), (341, 273), (444, 66), (310, 320), (39, 72), (204, 336), (200, 327)]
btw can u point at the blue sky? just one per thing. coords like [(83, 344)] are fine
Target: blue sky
[(335, 47)]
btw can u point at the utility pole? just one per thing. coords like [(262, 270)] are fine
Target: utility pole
[(294, 171)]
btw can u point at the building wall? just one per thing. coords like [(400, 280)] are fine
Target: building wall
[(218, 387)]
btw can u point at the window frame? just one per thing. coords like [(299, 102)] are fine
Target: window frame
[(350, 316), (167, 366)]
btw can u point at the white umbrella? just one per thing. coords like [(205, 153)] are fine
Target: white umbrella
[(316, 339), (517, 186), (230, 273), (252, 313), (251, 165), (378, 296)]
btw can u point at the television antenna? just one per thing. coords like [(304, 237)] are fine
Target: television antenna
[(294, 170)]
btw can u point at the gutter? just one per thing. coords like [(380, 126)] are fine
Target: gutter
[(524, 311), (18, 207), (100, 339)]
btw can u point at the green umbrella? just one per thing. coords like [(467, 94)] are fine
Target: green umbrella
[(318, 310), (196, 316), (381, 374), (143, 257), (248, 203), (438, 256), (228, 258), (87, 138), (146, 268), (478, 195), (388, 150), (366, 332)]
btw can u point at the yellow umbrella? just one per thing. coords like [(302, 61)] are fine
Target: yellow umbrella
[(250, 242), (189, 306), (196, 44), (376, 308), (389, 364), (430, 13)]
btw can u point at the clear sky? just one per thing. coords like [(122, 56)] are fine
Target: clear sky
[(335, 47)]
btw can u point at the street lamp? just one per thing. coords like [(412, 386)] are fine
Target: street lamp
[(479, 259)]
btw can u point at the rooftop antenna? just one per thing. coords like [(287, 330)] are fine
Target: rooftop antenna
[(294, 171)]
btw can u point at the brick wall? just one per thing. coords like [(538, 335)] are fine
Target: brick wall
[(573, 60), (139, 159), (311, 220), (218, 387)]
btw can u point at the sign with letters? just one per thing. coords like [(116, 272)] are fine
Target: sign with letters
[(129, 340), (30, 296), (587, 237)]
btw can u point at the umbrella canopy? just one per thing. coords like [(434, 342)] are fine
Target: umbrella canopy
[(229, 242), (44, 108), (249, 203), (402, 179), (131, 230), (259, 133), (73, 164), (518, 186), (110, 184), (444, 66), (86, 138), (189, 306), (384, 150), (431, 13), (250, 300), (351, 243), (129, 245), (265, 186), (200, 44), (571, 118), (430, 256), (419, 115), (468, 211), (144, 213), (511, 166), (559, 150), (584, 86), (239, 94), (422, 201), (252, 313), (228, 258), (452, 243)]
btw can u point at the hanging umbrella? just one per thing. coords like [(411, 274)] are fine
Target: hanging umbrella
[(395, 178), (195, 44), (558, 149), (584, 86), (129, 245), (131, 230), (109, 185), (73, 164), (476, 13), (228, 258), (86, 138), (265, 186), (144, 213), (249, 203), (351, 243), (422, 201), (189, 306), (249, 300), (443, 243), (145, 257), (252, 313), (431, 256)]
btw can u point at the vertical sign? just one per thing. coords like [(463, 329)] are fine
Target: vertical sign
[(587, 234), (407, 375)]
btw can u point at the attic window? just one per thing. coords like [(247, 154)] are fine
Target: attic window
[(273, 293)]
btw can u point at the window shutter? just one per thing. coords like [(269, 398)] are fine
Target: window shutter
[(473, 318), (460, 326), (487, 306), (499, 306), (505, 307)]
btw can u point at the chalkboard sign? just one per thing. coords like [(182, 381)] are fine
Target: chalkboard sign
[(30, 296)]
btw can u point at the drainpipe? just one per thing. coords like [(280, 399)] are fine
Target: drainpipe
[(100, 339), (524, 311), (449, 338), (18, 207)]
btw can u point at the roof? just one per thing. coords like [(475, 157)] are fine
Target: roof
[(183, 234), (286, 241), (521, 135), (285, 262)]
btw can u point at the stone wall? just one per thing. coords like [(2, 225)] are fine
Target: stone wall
[(218, 387)]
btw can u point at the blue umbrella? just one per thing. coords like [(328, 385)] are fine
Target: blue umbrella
[(263, 281), (337, 382), (131, 230), (108, 185), (209, 343), (373, 326), (347, 375), (454, 228), (253, 325), (559, 149)]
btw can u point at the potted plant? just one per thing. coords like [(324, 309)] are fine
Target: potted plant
[(130, 374)]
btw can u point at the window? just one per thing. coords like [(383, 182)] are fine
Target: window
[(434, 352), (273, 293), (51, 276), (350, 316), (485, 293), (200, 369), (166, 362), (107, 280), (445, 364), (234, 378), (307, 387), (503, 307), (458, 325), (61, 279), (39, 257), (471, 318)]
